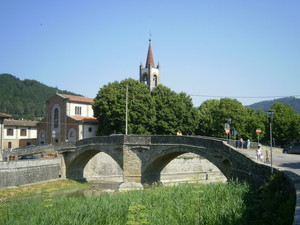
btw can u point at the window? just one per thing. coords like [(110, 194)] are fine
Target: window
[(90, 129), (145, 79), (9, 145), (77, 110), (155, 80), (10, 132), (56, 118), (72, 135), (23, 132)]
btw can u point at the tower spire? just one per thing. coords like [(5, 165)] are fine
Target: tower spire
[(150, 75), (150, 58)]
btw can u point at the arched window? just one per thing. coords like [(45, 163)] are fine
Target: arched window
[(9, 145), (72, 134), (155, 80), (56, 118), (145, 79)]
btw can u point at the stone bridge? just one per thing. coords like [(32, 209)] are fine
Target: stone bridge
[(142, 158)]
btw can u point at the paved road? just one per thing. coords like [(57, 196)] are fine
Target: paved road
[(286, 162)]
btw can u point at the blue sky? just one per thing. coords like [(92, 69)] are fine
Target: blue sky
[(207, 49)]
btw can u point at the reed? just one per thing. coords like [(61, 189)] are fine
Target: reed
[(183, 204)]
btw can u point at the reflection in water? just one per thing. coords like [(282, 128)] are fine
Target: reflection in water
[(95, 190)]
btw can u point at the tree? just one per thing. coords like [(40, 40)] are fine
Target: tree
[(174, 112), (255, 119), (206, 121), (215, 113), (160, 111), (110, 108), (285, 124)]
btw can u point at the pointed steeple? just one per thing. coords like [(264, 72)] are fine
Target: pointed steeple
[(150, 59), (150, 75)]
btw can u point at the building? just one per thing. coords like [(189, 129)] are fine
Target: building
[(150, 75), (2, 117), (69, 118), (19, 133)]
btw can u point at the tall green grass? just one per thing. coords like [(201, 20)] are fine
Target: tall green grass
[(183, 204)]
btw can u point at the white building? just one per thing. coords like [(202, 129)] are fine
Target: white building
[(19, 133)]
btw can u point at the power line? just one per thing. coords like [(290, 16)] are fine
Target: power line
[(257, 97)]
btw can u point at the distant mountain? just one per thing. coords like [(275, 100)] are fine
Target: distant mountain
[(266, 105), (25, 98)]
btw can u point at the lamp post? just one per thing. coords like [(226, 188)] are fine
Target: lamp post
[(271, 118), (126, 111)]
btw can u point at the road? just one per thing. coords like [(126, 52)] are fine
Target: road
[(286, 162)]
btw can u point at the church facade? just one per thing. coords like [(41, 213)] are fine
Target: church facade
[(69, 118)]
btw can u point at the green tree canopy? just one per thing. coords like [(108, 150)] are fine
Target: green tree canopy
[(161, 111), (285, 125), (174, 112), (110, 108), (215, 113)]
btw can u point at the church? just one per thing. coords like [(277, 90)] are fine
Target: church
[(70, 118), (150, 75)]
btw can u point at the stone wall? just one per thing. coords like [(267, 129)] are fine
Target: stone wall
[(20, 172)]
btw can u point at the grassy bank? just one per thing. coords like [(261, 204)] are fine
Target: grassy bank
[(232, 203), (28, 191)]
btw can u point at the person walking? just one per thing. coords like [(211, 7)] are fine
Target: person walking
[(267, 157), (258, 153), (248, 144), (241, 143)]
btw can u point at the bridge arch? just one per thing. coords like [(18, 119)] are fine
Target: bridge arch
[(76, 162), (151, 169)]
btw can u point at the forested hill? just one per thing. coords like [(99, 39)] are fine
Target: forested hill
[(25, 98), (266, 105)]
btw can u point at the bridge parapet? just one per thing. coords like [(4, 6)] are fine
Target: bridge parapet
[(102, 140)]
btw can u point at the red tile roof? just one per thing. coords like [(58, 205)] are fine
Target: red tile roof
[(20, 123), (86, 119), (3, 115), (74, 98)]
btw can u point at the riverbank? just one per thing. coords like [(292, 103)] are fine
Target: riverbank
[(28, 191), (218, 203)]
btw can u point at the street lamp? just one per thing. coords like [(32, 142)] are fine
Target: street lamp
[(271, 118)]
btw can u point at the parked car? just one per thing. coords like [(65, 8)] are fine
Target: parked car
[(292, 148), (28, 157), (17, 149), (30, 146)]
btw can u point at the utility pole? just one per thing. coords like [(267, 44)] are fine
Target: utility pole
[(126, 119)]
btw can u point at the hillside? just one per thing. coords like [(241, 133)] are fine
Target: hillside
[(25, 98), (266, 105)]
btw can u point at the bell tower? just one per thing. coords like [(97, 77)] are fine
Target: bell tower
[(150, 75)]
